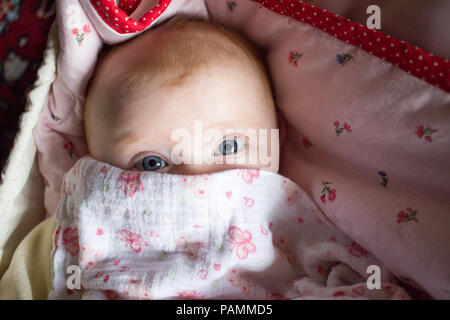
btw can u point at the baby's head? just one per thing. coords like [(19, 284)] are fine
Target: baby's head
[(153, 100)]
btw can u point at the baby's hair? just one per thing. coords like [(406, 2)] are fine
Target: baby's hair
[(197, 43), (175, 50)]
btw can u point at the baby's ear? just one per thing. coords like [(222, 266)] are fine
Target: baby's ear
[(282, 127)]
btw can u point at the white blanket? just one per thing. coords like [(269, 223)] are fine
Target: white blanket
[(238, 234)]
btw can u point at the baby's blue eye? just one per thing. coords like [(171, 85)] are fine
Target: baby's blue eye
[(152, 163), (228, 146)]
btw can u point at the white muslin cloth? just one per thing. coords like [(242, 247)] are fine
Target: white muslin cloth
[(236, 234)]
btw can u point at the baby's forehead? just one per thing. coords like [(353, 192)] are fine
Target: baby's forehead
[(169, 55), (181, 46)]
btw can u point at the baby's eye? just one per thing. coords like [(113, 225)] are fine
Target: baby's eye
[(151, 163), (229, 146)]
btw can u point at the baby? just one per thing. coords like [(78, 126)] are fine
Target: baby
[(140, 220), (183, 72)]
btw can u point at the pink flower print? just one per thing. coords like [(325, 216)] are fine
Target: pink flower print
[(70, 241), (347, 127), (69, 235), (124, 269), (409, 215), (327, 191), (79, 37), (190, 294), (339, 129), (249, 174), (99, 232), (425, 132), (189, 247), (242, 240), (217, 266), (131, 182), (419, 131), (249, 202), (294, 58), (306, 143), (104, 169), (133, 240), (200, 193), (89, 257), (86, 29), (68, 146), (332, 195), (263, 230), (237, 280), (154, 234), (401, 217), (200, 186), (202, 274), (357, 251)]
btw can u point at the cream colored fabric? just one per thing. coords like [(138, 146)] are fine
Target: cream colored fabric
[(29, 274), (22, 188)]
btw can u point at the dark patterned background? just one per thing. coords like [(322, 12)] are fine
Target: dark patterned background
[(24, 25)]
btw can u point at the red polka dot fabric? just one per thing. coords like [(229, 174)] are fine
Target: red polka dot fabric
[(128, 6), (414, 60), (117, 17)]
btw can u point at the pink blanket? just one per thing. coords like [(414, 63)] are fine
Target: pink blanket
[(367, 119)]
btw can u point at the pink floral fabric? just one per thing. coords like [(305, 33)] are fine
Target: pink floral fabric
[(163, 242)]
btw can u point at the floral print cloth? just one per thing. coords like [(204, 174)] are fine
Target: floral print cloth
[(237, 234)]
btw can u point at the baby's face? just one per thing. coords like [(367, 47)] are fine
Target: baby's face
[(208, 121)]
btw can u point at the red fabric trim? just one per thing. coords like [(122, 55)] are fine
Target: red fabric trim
[(117, 18), (414, 60)]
